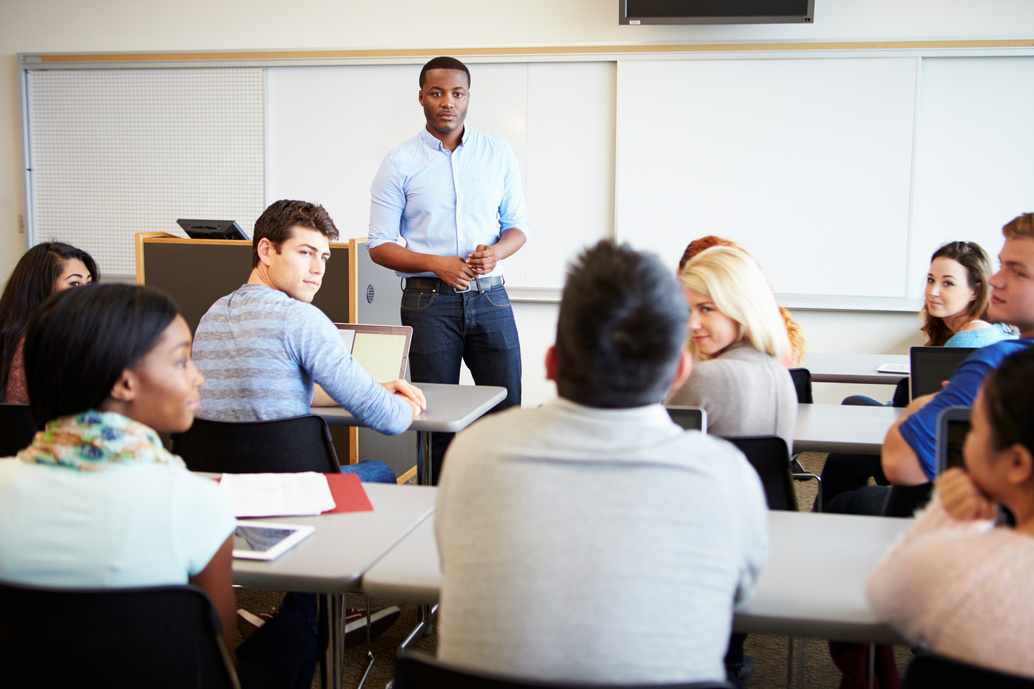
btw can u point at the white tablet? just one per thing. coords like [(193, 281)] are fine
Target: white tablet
[(892, 368), (267, 540)]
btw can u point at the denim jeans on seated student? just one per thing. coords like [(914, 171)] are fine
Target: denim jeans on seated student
[(371, 471)]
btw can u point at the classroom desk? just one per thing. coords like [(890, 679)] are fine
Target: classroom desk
[(814, 584), (450, 408), (842, 428), (332, 561), (854, 368)]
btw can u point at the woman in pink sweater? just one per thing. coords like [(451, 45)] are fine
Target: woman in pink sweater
[(957, 584)]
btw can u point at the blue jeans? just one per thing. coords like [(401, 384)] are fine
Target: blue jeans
[(371, 471), (474, 327)]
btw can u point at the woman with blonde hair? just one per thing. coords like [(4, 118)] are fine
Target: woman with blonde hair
[(738, 337), (795, 355)]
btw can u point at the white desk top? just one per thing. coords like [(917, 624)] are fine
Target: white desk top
[(814, 584), (842, 428), (450, 408), (854, 368), (344, 546)]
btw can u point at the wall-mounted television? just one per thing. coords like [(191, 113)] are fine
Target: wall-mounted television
[(716, 11)]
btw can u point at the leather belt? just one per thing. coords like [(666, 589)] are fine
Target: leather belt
[(480, 285)]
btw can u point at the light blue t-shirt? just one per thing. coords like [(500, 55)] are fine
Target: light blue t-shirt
[(260, 352), (981, 337), (130, 525), (446, 203)]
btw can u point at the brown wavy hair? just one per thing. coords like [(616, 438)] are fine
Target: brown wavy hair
[(793, 330), (973, 258)]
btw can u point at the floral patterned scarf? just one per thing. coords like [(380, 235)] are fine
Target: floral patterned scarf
[(94, 441)]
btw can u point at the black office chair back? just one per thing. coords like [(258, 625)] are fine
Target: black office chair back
[(414, 671), (802, 384), (156, 637), (300, 443), (16, 429), (939, 672), (770, 458)]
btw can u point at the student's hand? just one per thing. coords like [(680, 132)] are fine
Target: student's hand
[(918, 403), (962, 499), (408, 391), (454, 271), (482, 261)]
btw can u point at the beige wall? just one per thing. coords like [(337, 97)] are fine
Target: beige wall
[(37, 26)]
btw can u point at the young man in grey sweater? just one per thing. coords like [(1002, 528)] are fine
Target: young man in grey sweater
[(591, 539)]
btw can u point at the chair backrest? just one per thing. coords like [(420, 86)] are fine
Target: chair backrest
[(416, 671), (939, 672), (300, 443), (160, 637), (770, 458), (16, 428), (802, 384)]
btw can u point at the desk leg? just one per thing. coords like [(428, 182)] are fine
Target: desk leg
[(424, 457), (332, 639)]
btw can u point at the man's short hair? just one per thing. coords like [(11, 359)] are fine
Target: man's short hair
[(622, 326), (1021, 227), (276, 222), (443, 63)]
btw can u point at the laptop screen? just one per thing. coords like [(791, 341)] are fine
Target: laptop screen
[(382, 350), (933, 365)]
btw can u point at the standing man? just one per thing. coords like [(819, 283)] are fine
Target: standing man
[(454, 195)]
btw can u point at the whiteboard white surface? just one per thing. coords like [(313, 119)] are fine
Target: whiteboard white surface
[(974, 169), (328, 128), (807, 162)]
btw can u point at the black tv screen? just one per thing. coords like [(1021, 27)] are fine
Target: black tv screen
[(716, 11)]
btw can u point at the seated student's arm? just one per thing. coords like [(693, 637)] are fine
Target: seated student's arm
[(909, 450), (216, 580), (900, 463)]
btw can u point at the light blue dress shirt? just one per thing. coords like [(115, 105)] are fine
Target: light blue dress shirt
[(446, 203)]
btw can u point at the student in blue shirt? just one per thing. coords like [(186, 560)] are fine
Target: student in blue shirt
[(454, 195)]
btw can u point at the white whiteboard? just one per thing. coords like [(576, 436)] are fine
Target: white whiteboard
[(328, 128), (975, 153), (807, 162)]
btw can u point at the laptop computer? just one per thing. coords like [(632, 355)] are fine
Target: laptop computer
[(382, 350), (690, 418), (930, 366), (952, 427)]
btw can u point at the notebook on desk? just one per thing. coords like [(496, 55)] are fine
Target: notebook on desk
[(931, 366), (382, 350)]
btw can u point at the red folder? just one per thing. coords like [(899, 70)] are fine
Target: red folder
[(348, 493)]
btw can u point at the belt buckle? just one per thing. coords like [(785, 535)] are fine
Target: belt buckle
[(461, 291)]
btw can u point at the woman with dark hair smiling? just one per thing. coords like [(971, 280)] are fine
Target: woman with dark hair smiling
[(42, 270), (96, 501)]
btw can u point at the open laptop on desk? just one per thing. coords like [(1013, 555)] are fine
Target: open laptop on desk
[(933, 365), (690, 418), (382, 350)]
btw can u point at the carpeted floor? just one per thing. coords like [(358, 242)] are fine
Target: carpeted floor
[(770, 653)]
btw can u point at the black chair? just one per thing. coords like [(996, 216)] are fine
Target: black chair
[(770, 458), (16, 429), (416, 671), (300, 443), (932, 671), (158, 637), (802, 384)]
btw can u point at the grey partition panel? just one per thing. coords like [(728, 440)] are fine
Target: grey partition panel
[(379, 293), (197, 273)]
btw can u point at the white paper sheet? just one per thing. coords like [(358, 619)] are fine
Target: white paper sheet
[(277, 495)]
